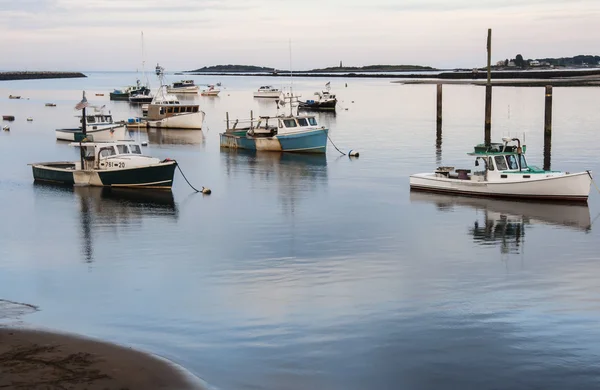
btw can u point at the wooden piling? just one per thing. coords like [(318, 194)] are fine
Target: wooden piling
[(488, 92), (439, 110), (438, 132), (251, 118), (227, 118), (548, 128)]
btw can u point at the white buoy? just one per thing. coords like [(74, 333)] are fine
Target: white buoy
[(5, 128), (206, 191), (30, 119), (353, 153), (145, 143)]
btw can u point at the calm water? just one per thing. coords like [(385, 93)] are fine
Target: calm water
[(308, 272)]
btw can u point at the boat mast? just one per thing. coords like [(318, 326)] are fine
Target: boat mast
[(291, 81), (144, 64)]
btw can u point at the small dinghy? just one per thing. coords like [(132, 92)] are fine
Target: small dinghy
[(505, 174), (50, 105), (8, 118)]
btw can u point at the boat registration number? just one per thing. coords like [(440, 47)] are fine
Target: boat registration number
[(115, 164)]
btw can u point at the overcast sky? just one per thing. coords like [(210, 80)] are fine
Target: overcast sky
[(186, 34)]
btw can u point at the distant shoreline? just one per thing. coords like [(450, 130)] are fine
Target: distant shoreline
[(563, 77), (5, 76)]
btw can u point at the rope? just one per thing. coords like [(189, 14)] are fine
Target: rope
[(592, 179), (336, 148), (204, 189)]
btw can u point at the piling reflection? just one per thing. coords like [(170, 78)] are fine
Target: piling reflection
[(295, 175), (504, 222)]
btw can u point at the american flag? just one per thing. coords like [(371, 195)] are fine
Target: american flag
[(82, 104)]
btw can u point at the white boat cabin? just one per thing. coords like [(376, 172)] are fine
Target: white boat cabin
[(184, 84), (113, 155), (268, 88), (97, 119)]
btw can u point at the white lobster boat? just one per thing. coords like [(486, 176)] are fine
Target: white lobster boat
[(99, 126), (505, 175), (166, 111), (183, 86), (267, 91)]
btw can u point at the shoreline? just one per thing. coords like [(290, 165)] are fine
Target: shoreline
[(6, 76), (31, 358)]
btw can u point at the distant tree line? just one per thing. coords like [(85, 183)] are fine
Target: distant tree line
[(579, 60)]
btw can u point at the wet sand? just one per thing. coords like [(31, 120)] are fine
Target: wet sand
[(36, 359)]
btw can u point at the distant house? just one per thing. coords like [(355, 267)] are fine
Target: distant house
[(534, 63), (511, 64), (500, 63)]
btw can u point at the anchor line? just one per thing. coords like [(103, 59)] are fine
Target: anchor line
[(204, 189), (336, 148), (592, 179)]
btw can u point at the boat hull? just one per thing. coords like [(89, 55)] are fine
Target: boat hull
[(98, 135), (268, 95), (191, 121), (566, 187), (119, 96), (57, 173), (318, 106), (183, 90), (157, 176), (313, 141)]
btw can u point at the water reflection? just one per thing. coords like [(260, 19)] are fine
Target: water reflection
[(175, 136), (504, 222), (295, 175)]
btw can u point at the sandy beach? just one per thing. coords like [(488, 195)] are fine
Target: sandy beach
[(48, 360)]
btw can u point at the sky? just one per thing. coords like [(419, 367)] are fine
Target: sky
[(88, 35)]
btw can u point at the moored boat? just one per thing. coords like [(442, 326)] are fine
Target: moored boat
[(100, 127), (267, 91), (110, 164), (9, 118), (166, 111), (324, 101), (284, 133), (183, 86), (14, 97), (505, 174), (210, 91), (50, 104)]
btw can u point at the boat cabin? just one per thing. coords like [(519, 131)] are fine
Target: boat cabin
[(268, 88), (300, 121), (183, 84), (109, 155), (98, 119), (496, 161)]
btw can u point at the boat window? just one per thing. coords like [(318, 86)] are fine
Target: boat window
[(91, 119), (122, 149), (162, 111), (312, 121), (289, 123), (169, 110), (108, 118), (106, 151), (523, 162), (135, 149), (175, 110), (500, 163), (490, 164), (196, 109), (512, 162)]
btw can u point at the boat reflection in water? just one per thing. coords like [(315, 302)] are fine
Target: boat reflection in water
[(159, 136), (296, 175), (505, 221), (113, 209)]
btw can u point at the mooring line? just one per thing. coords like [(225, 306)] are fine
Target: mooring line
[(204, 190), (592, 179)]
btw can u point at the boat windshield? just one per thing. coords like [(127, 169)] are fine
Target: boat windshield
[(512, 161), (500, 163), (91, 119), (302, 122), (135, 149), (312, 121), (122, 149), (106, 151), (289, 123), (523, 162)]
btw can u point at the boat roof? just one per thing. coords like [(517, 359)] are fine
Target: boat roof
[(496, 149), (111, 143)]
